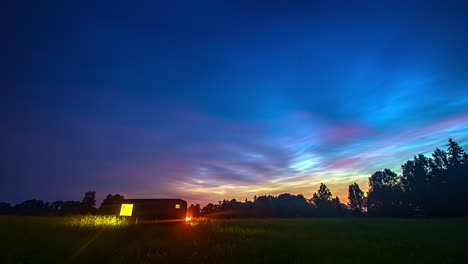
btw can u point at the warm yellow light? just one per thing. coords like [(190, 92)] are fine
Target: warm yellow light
[(188, 219), (126, 210), (98, 221), (177, 206)]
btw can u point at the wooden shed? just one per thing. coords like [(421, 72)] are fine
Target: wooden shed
[(155, 209)]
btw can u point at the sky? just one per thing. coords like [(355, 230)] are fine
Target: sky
[(213, 100)]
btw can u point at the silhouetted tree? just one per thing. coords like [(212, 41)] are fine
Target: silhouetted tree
[(71, 208), (56, 207), (322, 197), (114, 199), (338, 207), (230, 208), (438, 163), (356, 199), (457, 180), (5, 208), (288, 205), (426, 180), (384, 194), (111, 204), (263, 206), (89, 202), (209, 209), (456, 155), (415, 185), (32, 207), (194, 210), (324, 203)]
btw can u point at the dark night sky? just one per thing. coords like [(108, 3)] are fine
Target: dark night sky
[(206, 100)]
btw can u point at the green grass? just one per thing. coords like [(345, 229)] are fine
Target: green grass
[(62, 240)]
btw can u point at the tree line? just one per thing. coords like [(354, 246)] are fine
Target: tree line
[(110, 205), (435, 186)]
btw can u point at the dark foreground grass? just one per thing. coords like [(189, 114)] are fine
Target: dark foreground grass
[(50, 240)]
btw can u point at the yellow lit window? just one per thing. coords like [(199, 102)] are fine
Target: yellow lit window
[(126, 210), (177, 206)]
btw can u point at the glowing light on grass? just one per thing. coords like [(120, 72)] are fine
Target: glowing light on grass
[(112, 221), (188, 219), (126, 210)]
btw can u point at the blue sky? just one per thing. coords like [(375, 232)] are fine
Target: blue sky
[(209, 100)]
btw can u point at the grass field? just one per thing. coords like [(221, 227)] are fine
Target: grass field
[(55, 240)]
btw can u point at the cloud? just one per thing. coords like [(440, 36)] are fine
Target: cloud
[(203, 158)]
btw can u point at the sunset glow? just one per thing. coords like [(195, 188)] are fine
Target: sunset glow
[(227, 101)]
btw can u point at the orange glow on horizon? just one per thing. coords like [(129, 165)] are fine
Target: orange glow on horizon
[(187, 219)]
